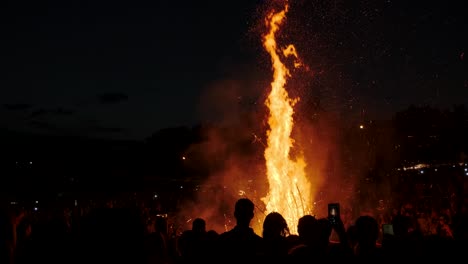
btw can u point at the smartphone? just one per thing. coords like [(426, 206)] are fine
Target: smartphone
[(333, 212), (387, 229)]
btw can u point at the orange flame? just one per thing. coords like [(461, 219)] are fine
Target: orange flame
[(289, 189)]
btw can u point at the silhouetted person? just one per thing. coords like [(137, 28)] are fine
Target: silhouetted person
[(211, 239), (324, 233), (49, 242), (367, 233), (402, 243), (275, 231), (293, 241), (308, 230), (9, 221), (156, 248), (6, 238), (241, 242), (332, 249), (113, 235), (24, 242), (199, 226), (193, 244)]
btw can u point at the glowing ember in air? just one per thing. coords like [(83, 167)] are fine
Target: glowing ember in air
[(289, 189)]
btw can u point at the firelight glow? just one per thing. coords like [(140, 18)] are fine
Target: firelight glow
[(289, 189)]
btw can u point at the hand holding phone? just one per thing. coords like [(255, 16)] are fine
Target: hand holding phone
[(334, 212)]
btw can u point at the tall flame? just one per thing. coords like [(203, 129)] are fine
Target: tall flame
[(289, 189)]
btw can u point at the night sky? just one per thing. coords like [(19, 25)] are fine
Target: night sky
[(124, 69)]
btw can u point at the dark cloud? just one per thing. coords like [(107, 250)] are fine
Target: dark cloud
[(112, 98), (106, 129), (62, 111), (96, 126), (17, 107), (45, 126), (53, 111)]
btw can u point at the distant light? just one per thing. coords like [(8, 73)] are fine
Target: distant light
[(37, 202), (181, 187), (361, 127), (435, 169), (155, 196), (183, 157), (420, 166), (466, 169), (422, 172), (35, 208), (466, 174), (30, 163), (76, 202), (12, 202)]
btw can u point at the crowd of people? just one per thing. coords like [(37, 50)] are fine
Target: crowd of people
[(129, 235)]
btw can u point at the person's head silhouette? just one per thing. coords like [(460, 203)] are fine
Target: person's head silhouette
[(244, 212), (274, 226), (199, 225), (367, 230), (307, 226)]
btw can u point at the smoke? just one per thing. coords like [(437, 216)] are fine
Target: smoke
[(231, 102), (318, 140), (230, 156)]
